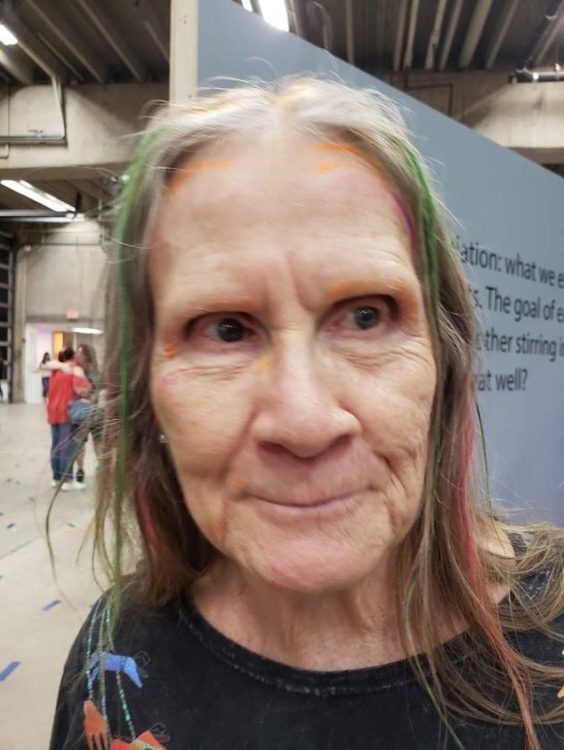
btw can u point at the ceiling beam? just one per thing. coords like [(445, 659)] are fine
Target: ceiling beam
[(17, 64), (400, 34), (450, 32), (435, 37), (30, 44), (295, 12), (154, 26), (408, 55), (60, 189), (544, 27), (556, 29), (500, 31), (349, 30), (66, 191), (115, 39), (477, 22), (63, 30), (11, 199), (93, 189), (56, 51)]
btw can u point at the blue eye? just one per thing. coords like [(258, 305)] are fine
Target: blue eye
[(367, 317), (230, 330)]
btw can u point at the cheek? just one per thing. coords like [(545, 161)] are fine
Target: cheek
[(398, 419), (202, 418)]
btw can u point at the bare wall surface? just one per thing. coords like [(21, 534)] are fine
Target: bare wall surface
[(57, 271), (64, 272), (100, 120)]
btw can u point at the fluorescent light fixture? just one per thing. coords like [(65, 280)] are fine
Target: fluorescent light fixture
[(247, 5), (39, 196), (6, 36), (93, 331), (275, 13)]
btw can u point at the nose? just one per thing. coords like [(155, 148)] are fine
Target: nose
[(299, 405)]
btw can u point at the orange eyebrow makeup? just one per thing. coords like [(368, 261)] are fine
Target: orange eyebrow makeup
[(194, 167), (347, 148)]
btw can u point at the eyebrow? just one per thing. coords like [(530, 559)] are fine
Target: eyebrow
[(382, 283), (393, 283)]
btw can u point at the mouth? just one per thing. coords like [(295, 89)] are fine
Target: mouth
[(309, 505), (320, 510)]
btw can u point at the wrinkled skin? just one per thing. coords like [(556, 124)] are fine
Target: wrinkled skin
[(326, 386)]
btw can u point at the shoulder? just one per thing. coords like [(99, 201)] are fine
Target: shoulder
[(131, 628), (533, 613), (105, 679)]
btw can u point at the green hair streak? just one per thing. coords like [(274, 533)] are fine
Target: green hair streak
[(135, 176)]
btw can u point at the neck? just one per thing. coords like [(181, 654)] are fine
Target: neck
[(335, 630)]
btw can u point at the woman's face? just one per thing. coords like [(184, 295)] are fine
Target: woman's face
[(292, 370)]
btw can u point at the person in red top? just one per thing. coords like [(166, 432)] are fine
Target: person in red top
[(68, 382)]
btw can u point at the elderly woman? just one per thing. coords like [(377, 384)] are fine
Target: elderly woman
[(292, 428)]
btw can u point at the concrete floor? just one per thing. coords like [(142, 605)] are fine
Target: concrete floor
[(39, 617)]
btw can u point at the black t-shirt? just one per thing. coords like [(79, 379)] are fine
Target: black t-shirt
[(174, 682)]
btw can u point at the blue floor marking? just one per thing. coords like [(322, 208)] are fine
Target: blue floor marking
[(7, 671)]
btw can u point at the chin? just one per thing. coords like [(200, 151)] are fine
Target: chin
[(314, 572)]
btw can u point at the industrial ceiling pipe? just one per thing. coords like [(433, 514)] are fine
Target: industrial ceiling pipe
[(477, 23), (525, 75)]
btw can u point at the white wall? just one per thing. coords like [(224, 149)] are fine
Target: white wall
[(60, 269)]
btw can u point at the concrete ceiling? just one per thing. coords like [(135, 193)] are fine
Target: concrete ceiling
[(79, 43), (445, 34), (86, 41)]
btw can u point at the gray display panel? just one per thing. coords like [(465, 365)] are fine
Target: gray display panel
[(509, 221)]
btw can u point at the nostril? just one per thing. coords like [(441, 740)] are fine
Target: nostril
[(324, 449)]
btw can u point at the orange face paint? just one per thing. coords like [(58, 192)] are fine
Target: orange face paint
[(350, 150), (265, 363), (170, 350), (238, 481), (195, 167), (215, 526), (343, 289), (329, 166)]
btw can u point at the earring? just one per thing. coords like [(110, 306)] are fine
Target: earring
[(162, 438)]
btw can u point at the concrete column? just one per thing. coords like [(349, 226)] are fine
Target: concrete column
[(19, 349), (183, 49)]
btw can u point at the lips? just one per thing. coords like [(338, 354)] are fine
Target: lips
[(318, 503)]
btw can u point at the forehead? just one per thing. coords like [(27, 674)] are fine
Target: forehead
[(272, 189)]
